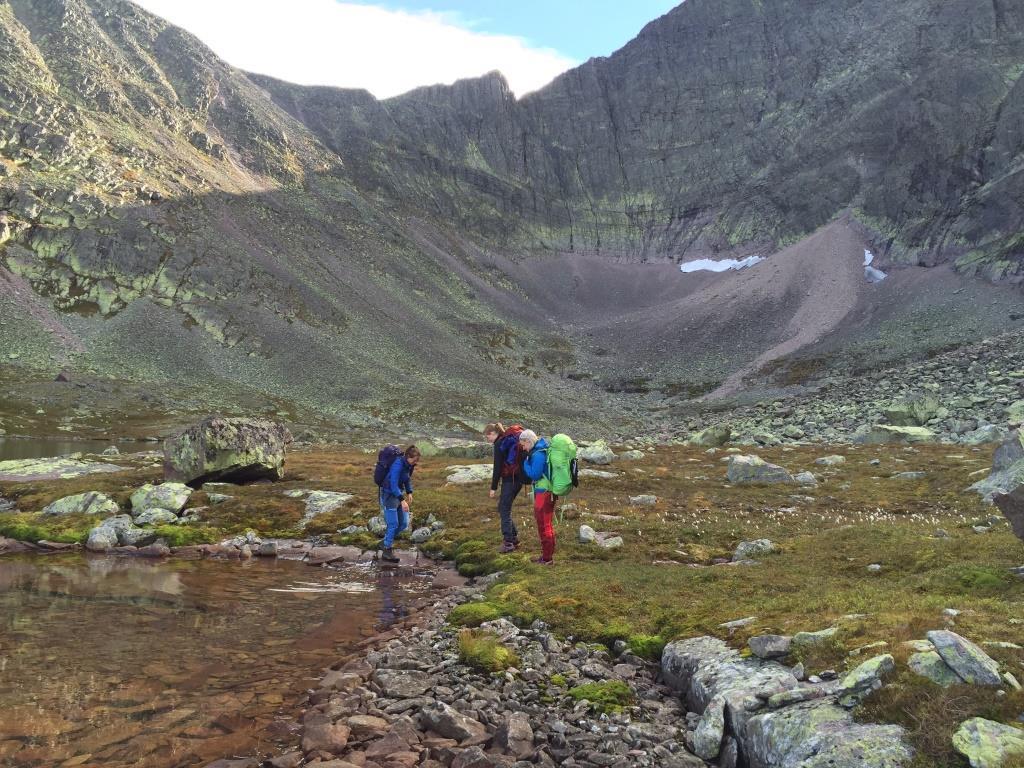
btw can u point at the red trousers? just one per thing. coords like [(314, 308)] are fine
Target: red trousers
[(544, 512)]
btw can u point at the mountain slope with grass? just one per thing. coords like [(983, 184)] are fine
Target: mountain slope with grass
[(171, 225)]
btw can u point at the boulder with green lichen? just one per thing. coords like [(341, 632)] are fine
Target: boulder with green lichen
[(227, 449)]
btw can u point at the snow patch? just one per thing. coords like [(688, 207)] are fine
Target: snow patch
[(710, 265)]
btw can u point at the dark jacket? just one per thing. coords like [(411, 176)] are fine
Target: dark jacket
[(399, 478)]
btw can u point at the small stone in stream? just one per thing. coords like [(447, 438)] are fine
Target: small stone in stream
[(288, 760), (88, 503), (111, 451), (770, 646), (747, 550), (320, 734)]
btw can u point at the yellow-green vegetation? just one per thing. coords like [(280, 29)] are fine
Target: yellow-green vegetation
[(663, 584), (604, 696), (930, 713), (473, 614), (485, 652)]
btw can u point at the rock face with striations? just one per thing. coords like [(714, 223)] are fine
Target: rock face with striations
[(227, 450)]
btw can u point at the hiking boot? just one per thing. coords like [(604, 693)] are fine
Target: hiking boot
[(542, 561), (508, 546), (388, 555)]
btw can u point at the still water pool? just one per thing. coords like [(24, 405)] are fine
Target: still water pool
[(108, 661)]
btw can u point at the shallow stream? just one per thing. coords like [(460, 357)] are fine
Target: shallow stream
[(115, 661)]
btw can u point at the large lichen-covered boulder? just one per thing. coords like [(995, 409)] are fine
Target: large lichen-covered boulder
[(819, 734), (88, 503), (881, 434), (713, 437), (808, 734), (227, 449), (755, 470), (970, 663), (913, 411), (988, 744)]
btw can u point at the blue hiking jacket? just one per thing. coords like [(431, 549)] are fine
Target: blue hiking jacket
[(399, 478), (536, 466)]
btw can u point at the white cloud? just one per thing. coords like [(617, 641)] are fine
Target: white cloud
[(323, 42)]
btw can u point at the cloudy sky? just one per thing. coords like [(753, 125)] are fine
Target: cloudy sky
[(392, 46)]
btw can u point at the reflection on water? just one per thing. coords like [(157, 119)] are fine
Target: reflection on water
[(11, 448), (127, 662)]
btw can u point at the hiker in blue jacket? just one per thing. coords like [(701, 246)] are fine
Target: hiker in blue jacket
[(394, 497)]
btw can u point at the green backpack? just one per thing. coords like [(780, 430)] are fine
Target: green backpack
[(562, 472)]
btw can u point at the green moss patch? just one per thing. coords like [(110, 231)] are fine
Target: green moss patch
[(606, 696), (483, 651), (473, 614)]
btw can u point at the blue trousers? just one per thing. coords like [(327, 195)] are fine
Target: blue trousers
[(397, 520)]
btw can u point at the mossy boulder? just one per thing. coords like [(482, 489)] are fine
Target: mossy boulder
[(168, 496), (227, 449), (753, 470), (88, 503), (988, 744), (713, 437), (913, 411)]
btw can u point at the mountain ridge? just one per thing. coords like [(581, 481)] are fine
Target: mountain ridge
[(353, 256)]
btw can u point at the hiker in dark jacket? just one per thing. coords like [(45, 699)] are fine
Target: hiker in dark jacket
[(535, 466), (508, 471), (394, 497)]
